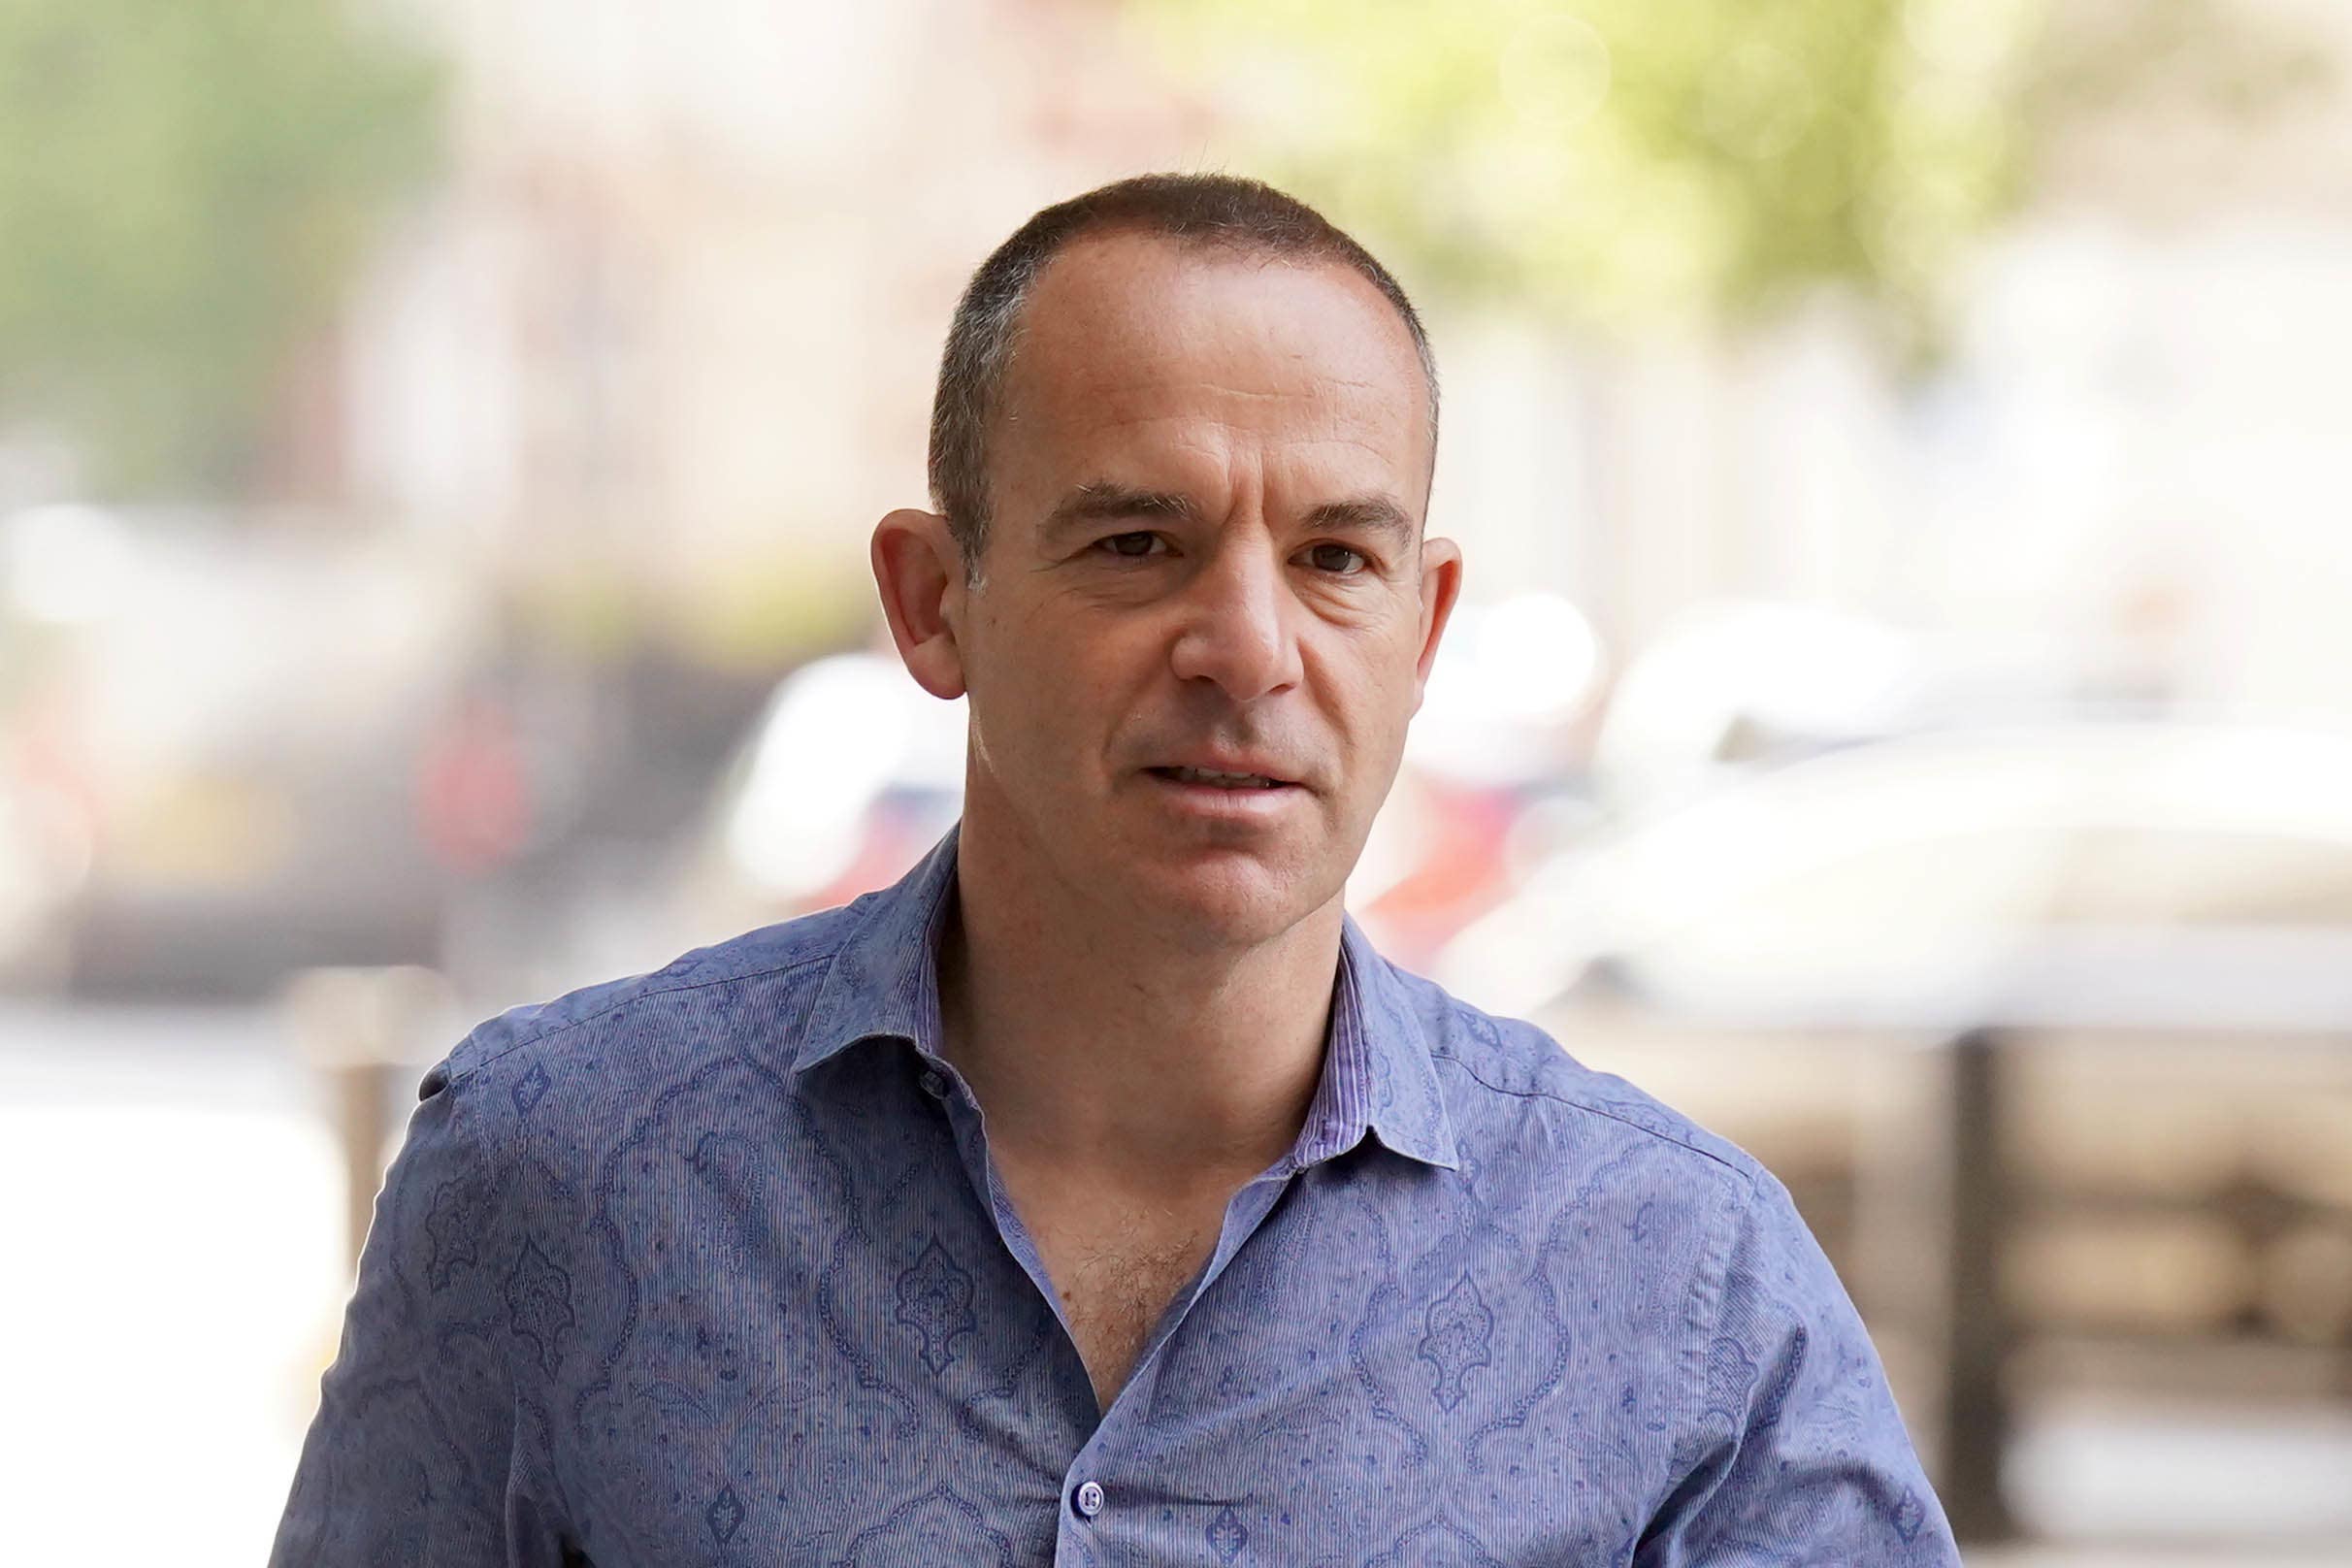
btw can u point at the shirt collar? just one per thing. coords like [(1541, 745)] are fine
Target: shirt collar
[(884, 979), (1377, 1077)]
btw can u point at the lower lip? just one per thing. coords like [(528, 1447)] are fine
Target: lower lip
[(1230, 804)]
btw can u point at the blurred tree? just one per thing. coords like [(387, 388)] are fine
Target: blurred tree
[(183, 189), (1623, 162)]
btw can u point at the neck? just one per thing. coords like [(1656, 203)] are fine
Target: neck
[(1097, 1046)]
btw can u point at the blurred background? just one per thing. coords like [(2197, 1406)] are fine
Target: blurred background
[(1901, 713)]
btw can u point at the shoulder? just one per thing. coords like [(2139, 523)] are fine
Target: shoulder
[(749, 991), (1515, 1092), (1541, 1132)]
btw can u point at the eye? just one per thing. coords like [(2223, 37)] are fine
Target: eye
[(1337, 559), (1132, 546)]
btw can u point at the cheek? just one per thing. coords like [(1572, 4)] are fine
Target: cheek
[(1044, 695), (1372, 692)]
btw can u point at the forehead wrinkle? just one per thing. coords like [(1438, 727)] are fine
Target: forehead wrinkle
[(1231, 439), (1132, 483), (1319, 390), (1335, 423)]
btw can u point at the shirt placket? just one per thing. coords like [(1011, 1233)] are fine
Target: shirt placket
[(943, 1084), (1091, 1526)]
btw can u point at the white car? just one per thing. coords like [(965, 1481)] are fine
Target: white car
[(1897, 882)]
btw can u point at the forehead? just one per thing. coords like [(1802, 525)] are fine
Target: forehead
[(1130, 341)]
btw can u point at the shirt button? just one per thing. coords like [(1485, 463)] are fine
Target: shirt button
[(934, 1086), (1089, 1499)]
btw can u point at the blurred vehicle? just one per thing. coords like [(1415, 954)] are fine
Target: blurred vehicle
[(225, 731), (850, 772), (1734, 686), (1893, 882)]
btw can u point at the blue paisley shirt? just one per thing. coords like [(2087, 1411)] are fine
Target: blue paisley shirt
[(709, 1266)]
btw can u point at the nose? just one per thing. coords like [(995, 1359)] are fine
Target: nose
[(1236, 628)]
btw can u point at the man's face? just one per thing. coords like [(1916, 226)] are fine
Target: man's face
[(1208, 473)]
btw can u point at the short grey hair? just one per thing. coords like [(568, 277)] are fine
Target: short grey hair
[(1213, 211)]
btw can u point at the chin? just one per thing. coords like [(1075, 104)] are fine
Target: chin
[(1225, 900)]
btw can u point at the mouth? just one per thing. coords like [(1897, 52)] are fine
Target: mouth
[(1212, 778)]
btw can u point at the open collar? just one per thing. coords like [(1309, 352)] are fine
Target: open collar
[(1377, 1077)]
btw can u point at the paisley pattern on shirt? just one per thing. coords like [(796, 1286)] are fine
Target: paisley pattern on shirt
[(705, 1266)]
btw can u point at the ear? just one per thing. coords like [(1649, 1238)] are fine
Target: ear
[(919, 573), (1441, 584)]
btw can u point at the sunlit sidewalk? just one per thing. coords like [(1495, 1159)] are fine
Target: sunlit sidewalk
[(172, 1216)]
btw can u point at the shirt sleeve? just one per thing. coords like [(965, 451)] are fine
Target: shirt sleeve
[(1799, 1456), (412, 1457)]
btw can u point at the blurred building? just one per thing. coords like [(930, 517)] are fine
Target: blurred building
[(671, 323), (675, 314)]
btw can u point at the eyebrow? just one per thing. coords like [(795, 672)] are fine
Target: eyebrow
[(1367, 514), (1101, 501)]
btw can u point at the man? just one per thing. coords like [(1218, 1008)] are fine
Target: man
[(1096, 1194)]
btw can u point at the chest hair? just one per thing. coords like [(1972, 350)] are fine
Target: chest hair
[(1116, 1281)]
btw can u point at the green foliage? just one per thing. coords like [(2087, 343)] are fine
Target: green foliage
[(1623, 162), (184, 187)]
